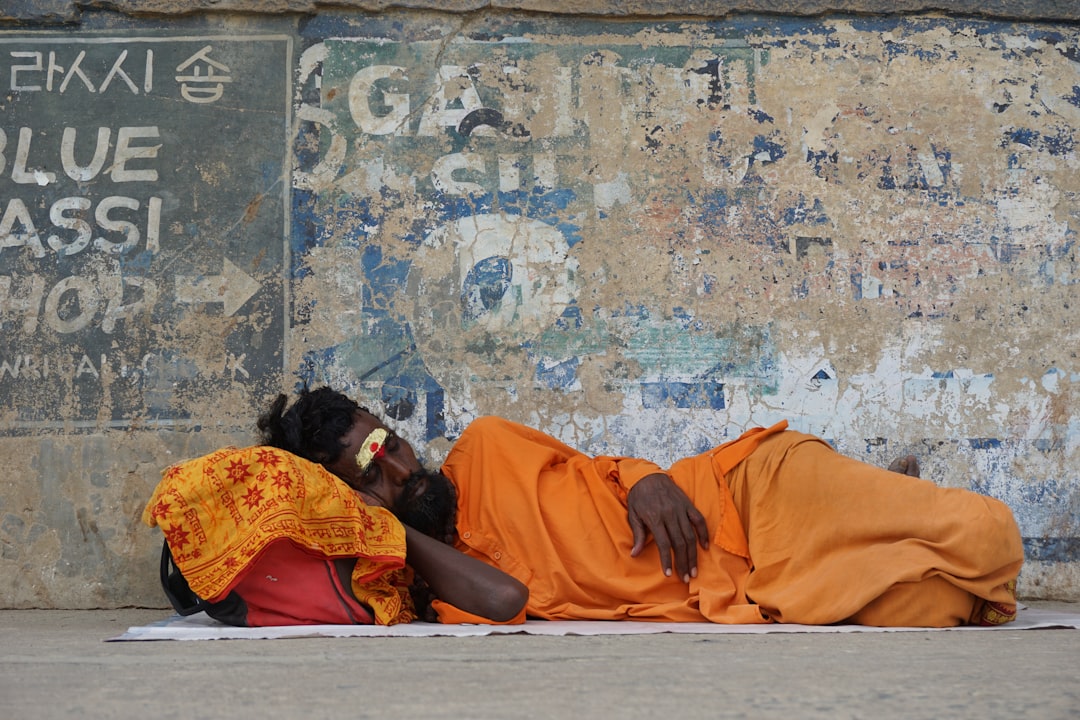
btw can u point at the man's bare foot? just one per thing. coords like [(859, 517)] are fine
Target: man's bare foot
[(907, 465)]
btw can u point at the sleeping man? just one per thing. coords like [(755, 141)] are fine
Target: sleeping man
[(774, 526)]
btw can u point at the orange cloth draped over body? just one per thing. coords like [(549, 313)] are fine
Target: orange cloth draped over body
[(784, 543), (221, 512), (836, 540)]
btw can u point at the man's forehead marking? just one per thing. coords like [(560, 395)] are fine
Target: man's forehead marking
[(373, 447)]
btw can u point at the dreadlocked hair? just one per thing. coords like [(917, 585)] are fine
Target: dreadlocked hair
[(312, 427)]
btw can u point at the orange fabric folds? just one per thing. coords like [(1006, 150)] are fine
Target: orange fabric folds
[(452, 615), (221, 511), (836, 540), (556, 520)]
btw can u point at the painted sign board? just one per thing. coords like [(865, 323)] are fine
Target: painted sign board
[(143, 185)]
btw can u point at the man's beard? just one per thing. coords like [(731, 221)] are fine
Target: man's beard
[(429, 508)]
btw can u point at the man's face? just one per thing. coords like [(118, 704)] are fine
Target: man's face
[(428, 503), (396, 480)]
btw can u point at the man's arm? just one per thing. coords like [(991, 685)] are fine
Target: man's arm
[(655, 504), (466, 583)]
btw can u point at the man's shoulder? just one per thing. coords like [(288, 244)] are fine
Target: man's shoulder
[(511, 437), (485, 425), (480, 436), (491, 420)]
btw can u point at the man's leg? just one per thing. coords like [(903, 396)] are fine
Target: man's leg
[(830, 535), (934, 602)]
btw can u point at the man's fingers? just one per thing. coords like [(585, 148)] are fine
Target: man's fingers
[(676, 545), (701, 528), (638, 529), (686, 550), (663, 544)]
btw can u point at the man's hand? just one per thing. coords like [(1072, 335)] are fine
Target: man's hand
[(657, 505)]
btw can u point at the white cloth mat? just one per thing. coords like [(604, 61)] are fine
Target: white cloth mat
[(202, 627)]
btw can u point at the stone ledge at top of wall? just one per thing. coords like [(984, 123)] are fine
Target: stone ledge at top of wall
[(45, 12), (39, 11)]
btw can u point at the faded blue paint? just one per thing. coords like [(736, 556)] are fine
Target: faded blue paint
[(484, 286), (680, 360), (559, 376), (322, 25), (445, 210), (855, 284), (913, 177), (760, 115), (312, 369), (763, 144), (449, 208), (386, 363), (1047, 511), (570, 319), (687, 320), (1060, 143), (1052, 549), (820, 159), (546, 206), (943, 156), (306, 231), (800, 214), (1007, 252), (435, 420), (398, 400), (385, 277), (894, 50), (1048, 445), (1024, 136), (669, 350), (906, 26), (658, 395), (1051, 273), (712, 204), (788, 30)]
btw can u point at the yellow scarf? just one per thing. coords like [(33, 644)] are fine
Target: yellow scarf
[(220, 511)]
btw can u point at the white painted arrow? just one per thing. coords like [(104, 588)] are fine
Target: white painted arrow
[(232, 287)]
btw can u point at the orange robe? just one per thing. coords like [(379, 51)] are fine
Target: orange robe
[(556, 520), (836, 540)]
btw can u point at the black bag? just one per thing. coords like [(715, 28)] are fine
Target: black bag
[(231, 611)]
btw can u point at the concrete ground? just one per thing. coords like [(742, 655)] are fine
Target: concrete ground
[(54, 664)]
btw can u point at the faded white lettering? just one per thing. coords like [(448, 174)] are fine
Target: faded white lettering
[(76, 302), (54, 72)]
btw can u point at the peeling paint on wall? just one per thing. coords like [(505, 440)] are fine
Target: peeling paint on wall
[(865, 226)]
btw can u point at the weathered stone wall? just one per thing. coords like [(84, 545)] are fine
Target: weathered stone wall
[(640, 234)]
